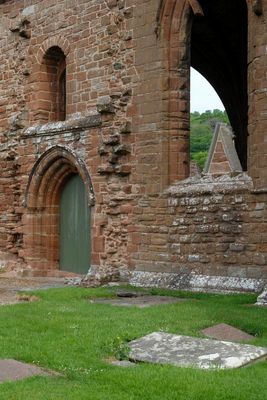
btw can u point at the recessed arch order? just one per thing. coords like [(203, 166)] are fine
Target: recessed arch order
[(49, 175)]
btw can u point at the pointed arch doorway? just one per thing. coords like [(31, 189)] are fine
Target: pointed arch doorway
[(74, 227), (59, 185)]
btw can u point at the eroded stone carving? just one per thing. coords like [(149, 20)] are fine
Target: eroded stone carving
[(196, 7)]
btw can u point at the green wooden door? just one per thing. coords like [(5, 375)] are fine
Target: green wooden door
[(74, 227)]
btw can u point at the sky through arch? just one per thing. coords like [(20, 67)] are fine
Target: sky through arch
[(203, 96)]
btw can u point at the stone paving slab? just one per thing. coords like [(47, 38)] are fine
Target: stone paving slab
[(7, 297), (33, 283), (10, 286), (226, 332), (186, 351), (13, 370), (14, 283), (140, 301)]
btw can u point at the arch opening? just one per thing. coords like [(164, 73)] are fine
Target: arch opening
[(206, 111), (219, 52), (51, 87), (47, 182), (210, 36)]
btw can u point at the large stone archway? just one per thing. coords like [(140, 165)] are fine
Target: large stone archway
[(41, 225), (213, 38)]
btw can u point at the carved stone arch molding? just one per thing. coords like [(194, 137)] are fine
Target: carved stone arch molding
[(54, 41), (167, 7), (174, 22), (42, 200), (58, 161)]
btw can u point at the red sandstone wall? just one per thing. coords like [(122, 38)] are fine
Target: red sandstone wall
[(96, 38), (118, 70), (257, 58)]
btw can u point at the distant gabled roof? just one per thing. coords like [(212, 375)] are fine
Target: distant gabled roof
[(223, 144)]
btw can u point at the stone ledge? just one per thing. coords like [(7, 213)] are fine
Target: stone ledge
[(52, 128), (196, 282), (210, 184)]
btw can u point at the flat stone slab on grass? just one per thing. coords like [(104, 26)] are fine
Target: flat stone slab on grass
[(7, 297), (186, 351), (139, 301), (10, 286), (13, 370), (226, 332)]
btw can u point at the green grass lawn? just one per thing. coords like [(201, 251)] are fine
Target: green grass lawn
[(64, 331)]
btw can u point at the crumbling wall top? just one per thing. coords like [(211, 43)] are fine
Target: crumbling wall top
[(207, 184)]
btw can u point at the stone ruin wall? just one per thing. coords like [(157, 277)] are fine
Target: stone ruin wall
[(144, 222), (97, 41), (206, 233)]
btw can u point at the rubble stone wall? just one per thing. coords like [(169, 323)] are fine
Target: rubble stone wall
[(202, 233)]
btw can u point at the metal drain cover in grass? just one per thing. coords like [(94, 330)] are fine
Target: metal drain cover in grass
[(12, 370), (226, 332), (139, 301), (186, 351)]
